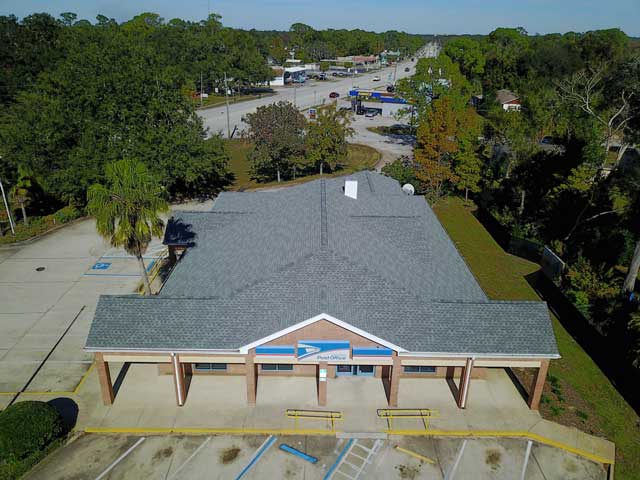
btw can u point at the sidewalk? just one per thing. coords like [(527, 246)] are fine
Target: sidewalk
[(146, 402)]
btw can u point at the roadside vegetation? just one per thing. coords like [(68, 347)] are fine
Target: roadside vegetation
[(558, 166), (359, 157), (77, 95), (28, 432), (577, 393)]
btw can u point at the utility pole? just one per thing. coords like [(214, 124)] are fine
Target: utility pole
[(6, 206), (226, 93), (395, 72), (295, 96), (201, 91)]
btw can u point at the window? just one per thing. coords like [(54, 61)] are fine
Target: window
[(279, 367), (416, 369), (208, 367)]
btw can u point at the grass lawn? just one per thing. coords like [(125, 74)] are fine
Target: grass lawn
[(586, 394), (217, 100), (360, 157)]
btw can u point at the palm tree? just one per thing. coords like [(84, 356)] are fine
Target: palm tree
[(126, 210)]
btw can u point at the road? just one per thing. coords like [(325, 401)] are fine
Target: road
[(304, 96)]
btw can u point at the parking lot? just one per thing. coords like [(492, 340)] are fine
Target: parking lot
[(48, 293), (259, 457)]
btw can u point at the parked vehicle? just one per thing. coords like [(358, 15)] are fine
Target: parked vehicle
[(334, 95), (406, 69), (391, 88), (376, 78), (334, 74), (371, 112)]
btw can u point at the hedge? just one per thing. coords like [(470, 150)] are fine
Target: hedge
[(27, 428)]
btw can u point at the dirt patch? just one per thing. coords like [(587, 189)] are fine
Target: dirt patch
[(408, 472), (560, 403), (493, 458), (162, 454), (228, 455)]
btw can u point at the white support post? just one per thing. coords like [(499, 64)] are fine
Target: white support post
[(178, 378)]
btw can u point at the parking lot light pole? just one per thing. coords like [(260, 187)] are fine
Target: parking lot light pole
[(6, 206)]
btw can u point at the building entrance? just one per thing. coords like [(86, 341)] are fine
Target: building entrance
[(355, 370)]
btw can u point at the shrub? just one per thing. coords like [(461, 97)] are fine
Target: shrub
[(67, 214), (27, 428)]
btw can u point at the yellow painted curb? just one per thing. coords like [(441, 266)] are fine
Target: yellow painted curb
[(499, 433), (210, 431), (75, 391), (415, 455)]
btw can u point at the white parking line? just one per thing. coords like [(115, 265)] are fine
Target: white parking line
[(120, 458), (526, 460), (452, 472), (173, 475)]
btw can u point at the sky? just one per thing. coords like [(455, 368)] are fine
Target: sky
[(414, 16)]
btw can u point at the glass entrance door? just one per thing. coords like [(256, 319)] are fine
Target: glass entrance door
[(355, 370)]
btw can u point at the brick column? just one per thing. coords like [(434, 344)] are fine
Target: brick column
[(322, 384), (535, 392), (465, 380), (394, 382), (252, 380), (104, 377), (178, 379)]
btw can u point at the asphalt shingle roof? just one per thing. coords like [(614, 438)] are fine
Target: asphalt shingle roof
[(263, 261)]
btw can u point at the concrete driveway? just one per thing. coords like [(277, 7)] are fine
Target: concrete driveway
[(48, 295), (258, 457), (390, 146)]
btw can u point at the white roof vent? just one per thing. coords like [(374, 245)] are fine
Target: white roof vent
[(351, 188)]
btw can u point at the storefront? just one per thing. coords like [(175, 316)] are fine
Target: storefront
[(333, 279)]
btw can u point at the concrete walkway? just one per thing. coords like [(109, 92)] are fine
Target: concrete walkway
[(146, 401)]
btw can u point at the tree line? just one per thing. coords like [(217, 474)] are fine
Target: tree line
[(561, 170), (78, 95)]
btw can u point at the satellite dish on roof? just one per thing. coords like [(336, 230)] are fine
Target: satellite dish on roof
[(408, 189)]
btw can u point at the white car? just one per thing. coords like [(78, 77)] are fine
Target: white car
[(376, 78)]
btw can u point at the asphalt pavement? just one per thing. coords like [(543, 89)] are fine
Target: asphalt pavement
[(304, 96)]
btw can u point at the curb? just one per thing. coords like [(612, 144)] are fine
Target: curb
[(28, 241)]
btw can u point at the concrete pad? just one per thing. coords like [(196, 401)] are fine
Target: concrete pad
[(224, 458), (82, 459), (16, 298), (70, 349), (492, 459), (22, 270), (58, 377), (14, 326), (559, 465), (13, 376)]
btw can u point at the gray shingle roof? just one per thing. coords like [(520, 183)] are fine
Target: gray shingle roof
[(257, 264)]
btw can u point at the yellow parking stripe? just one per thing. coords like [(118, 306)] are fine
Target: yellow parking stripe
[(499, 433), (415, 455)]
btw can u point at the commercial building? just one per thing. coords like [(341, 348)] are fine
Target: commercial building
[(335, 277)]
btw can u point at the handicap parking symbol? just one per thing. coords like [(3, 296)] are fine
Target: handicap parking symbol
[(101, 266)]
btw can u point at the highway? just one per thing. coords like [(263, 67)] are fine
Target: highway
[(313, 92)]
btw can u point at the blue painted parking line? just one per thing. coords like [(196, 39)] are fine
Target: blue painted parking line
[(265, 446), (344, 451)]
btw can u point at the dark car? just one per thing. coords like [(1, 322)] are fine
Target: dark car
[(334, 95), (406, 69), (391, 88)]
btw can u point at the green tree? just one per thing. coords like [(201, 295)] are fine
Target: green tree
[(22, 192), (468, 168), (327, 137), (467, 52), (277, 131), (127, 209)]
